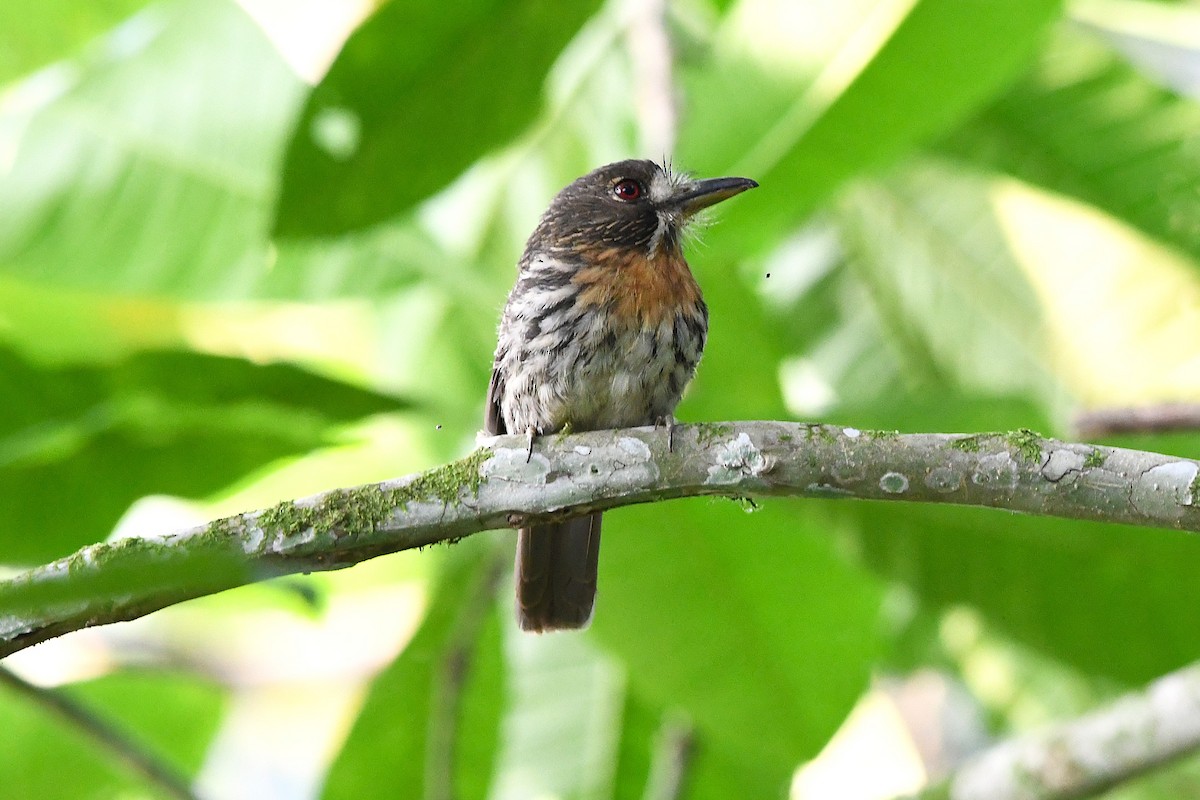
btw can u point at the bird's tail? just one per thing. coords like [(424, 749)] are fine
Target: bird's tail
[(556, 574)]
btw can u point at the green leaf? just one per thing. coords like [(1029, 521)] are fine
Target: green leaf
[(151, 704), (562, 724), (744, 348), (658, 746), (749, 625), (146, 707), (1079, 592), (718, 772), (418, 93), (574, 727), (439, 703), (1087, 125), (641, 723), (994, 286), (482, 702), (369, 263), (79, 444), (1104, 598), (943, 61), (37, 32), (939, 273), (151, 166)]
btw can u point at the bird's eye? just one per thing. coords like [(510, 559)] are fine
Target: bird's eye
[(627, 189)]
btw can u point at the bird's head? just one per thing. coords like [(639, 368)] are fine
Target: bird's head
[(628, 205)]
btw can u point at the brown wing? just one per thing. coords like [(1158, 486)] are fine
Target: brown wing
[(493, 419)]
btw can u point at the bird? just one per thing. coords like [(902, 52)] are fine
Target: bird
[(603, 329)]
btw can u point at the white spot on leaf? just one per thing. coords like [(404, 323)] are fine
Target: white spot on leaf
[(337, 131)]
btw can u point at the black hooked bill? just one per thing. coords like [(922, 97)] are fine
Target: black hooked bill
[(710, 191)]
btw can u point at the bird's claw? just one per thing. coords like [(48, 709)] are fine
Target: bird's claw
[(530, 433)]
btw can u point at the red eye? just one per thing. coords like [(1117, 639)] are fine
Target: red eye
[(627, 189)]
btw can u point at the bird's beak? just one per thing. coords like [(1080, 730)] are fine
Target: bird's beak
[(702, 194)]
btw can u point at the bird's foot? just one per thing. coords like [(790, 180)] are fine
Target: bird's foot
[(530, 433)]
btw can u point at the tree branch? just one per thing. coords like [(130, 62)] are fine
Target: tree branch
[(497, 487), (673, 751), (1089, 755), (1161, 418)]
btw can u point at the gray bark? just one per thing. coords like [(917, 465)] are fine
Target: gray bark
[(498, 487)]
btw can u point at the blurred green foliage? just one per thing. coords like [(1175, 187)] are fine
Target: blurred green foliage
[(215, 279), (173, 422), (447, 106), (58, 28), (37, 745)]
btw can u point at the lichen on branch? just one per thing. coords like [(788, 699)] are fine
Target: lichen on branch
[(500, 485)]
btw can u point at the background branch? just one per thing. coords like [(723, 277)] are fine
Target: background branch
[(1089, 755), (649, 48), (673, 751), (1161, 418), (496, 487)]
